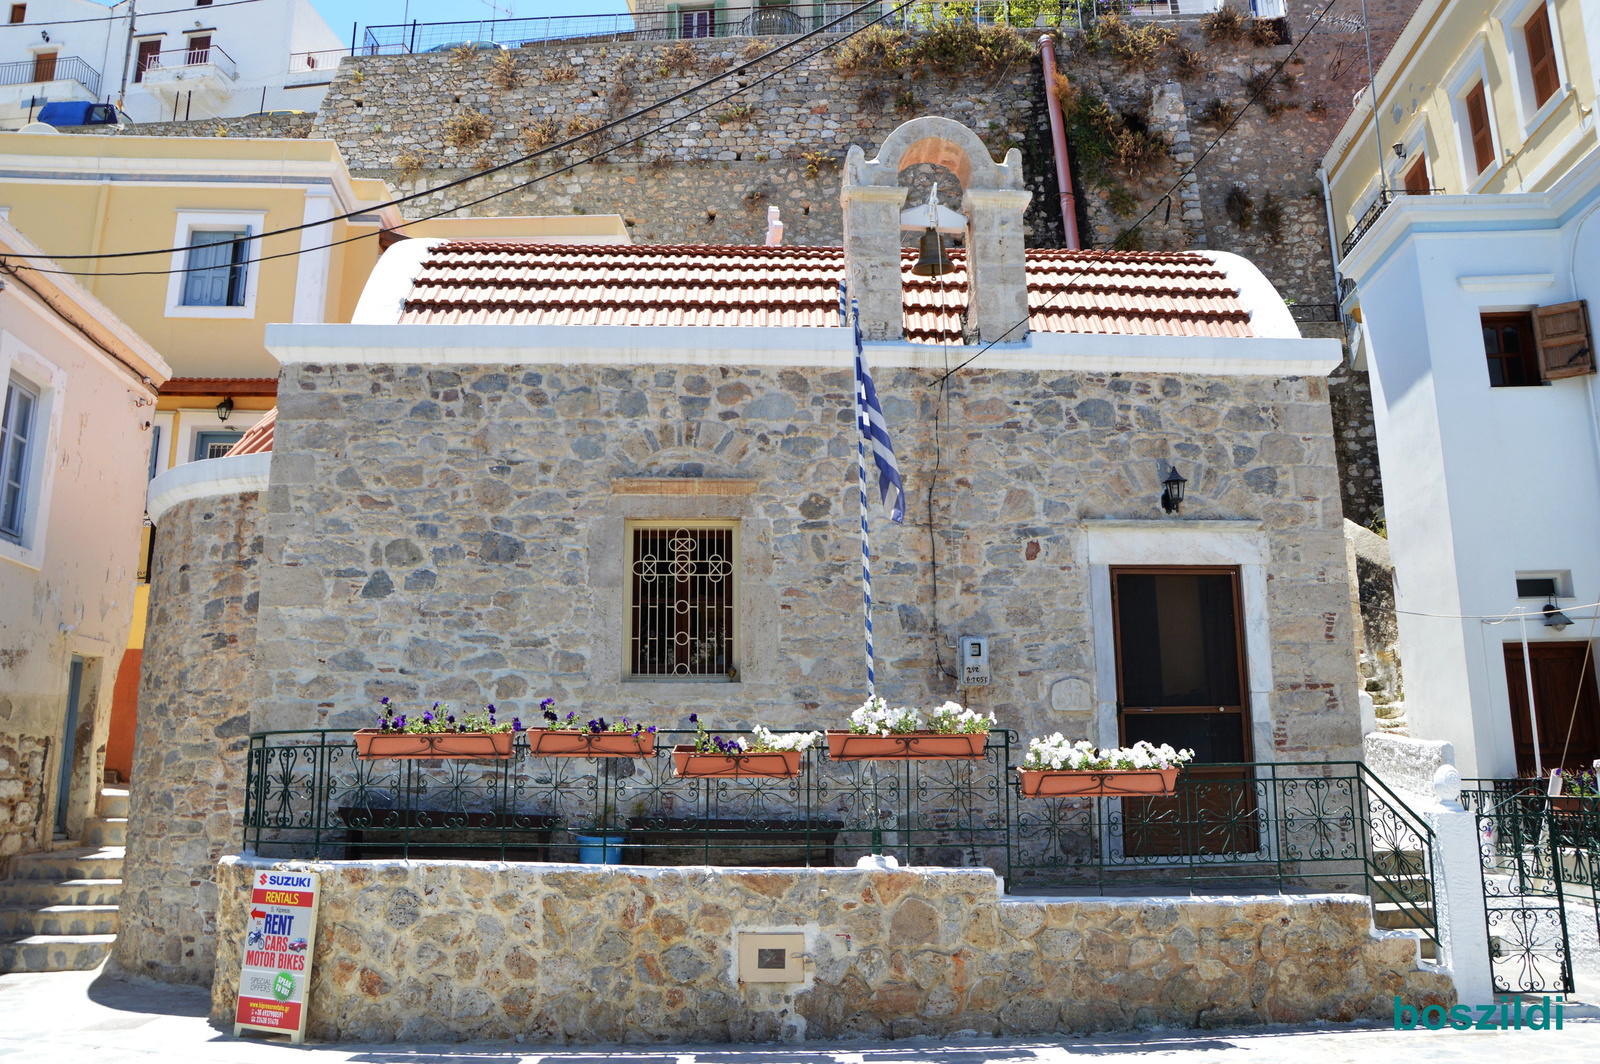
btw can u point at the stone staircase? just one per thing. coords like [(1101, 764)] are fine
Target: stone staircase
[(58, 911), (1399, 878)]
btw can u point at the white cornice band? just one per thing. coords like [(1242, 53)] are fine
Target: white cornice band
[(232, 475)]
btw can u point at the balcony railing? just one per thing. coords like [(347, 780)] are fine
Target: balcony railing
[(68, 68), (181, 58), (1327, 826), (1370, 217), (326, 61)]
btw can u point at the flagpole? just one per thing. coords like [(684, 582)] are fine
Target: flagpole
[(861, 468)]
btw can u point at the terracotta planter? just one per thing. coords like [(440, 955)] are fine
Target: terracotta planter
[(373, 744), (559, 742), (772, 764), (911, 746), (1106, 783)]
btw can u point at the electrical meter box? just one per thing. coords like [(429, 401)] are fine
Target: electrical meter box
[(974, 661)]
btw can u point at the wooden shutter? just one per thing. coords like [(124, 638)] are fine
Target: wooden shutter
[(1541, 56), (1563, 340), (44, 66), (1478, 120), (1416, 182)]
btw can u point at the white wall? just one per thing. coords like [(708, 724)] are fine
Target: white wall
[(1479, 482)]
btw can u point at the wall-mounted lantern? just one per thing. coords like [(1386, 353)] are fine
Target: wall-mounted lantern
[(1554, 618), (1172, 492), (225, 409)]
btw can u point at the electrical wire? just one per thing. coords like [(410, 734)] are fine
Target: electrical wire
[(1099, 254), (570, 141), (121, 18), (460, 206)]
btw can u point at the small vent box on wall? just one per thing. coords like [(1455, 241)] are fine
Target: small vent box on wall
[(772, 958)]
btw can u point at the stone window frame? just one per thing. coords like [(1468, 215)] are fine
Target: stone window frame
[(18, 360), (1513, 16), (192, 221), (1238, 544), (731, 524)]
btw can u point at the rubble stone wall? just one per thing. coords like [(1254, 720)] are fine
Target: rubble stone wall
[(186, 799), (453, 951), (23, 792), (451, 533)]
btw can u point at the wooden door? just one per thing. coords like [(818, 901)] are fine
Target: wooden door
[(44, 66), (199, 49), (149, 52), (1417, 177), (1564, 694)]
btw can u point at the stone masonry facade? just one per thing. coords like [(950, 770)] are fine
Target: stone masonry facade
[(23, 791), (186, 799), (453, 951), (452, 533)]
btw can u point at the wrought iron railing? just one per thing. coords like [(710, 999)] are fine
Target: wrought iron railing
[(751, 20), (1370, 216), (66, 68), (1539, 854), (1319, 826)]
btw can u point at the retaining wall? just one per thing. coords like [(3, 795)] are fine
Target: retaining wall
[(446, 951)]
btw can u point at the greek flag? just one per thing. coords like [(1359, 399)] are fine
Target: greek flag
[(874, 432)]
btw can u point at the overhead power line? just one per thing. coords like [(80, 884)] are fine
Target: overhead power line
[(597, 131), (482, 199), (1099, 254), (118, 18)]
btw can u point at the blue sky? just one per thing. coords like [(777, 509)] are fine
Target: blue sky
[(341, 13)]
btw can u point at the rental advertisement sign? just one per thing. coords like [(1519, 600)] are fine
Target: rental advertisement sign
[(279, 936)]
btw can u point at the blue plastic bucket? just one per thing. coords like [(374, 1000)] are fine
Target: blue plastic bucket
[(597, 849)]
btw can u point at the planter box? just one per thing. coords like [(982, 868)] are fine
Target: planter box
[(774, 764), (911, 746), (558, 742), (373, 744), (1106, 783)]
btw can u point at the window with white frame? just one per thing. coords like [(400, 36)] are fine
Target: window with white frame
[(217, 268), (18, 448), (213, 272), (1473, 114), (1538, 62)]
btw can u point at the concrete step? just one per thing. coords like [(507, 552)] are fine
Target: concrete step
[(54, 953), (1402, 888), (1392, 915), (56, 920), (104, 863), (37, 893), (113, 802), (105, 831)]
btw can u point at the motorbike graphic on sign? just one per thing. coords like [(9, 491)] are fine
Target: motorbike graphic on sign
[(278, 944)]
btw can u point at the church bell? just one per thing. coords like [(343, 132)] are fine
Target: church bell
[(932, 261)]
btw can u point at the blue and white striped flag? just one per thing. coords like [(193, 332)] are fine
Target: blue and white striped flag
[(875, 433)]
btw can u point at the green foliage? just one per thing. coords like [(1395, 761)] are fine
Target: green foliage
[(949, 48), (1129, 240), (1226, 25), (739, 113), (876, 50)]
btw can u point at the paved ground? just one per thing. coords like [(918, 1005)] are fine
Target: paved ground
[(81, 1018)]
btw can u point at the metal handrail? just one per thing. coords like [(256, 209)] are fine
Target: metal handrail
[(180, 58), (67, 68), (1318, 825), (1370, 216), (315, 62)]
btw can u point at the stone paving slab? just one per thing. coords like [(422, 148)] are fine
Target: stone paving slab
[(86, 1018)]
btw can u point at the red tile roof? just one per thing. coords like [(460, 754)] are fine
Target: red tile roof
[(485, 282), (258, 438)]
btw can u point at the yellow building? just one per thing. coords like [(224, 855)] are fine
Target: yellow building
[(1475, 97), (225, 215)]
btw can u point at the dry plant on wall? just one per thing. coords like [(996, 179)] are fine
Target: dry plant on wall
[(873, 98), (954, 48), (467, 130), (1226, 25), (816, 161), (1067, 95), (1216, 112), (716, 64), (503, 72), (461, 53), (1271, 217), (876, 50), (541, 134), (753, 51), (1265, 33), (559, 73), (1141, 48), (579, 126), (1240, 206), (409, 166), (1140, 151), (1188, 63), (906, 102), (678, 60), (735, 115), (621, 97)]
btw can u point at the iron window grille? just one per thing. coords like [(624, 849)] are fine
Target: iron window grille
[(682, 613), (16, 438), (218, 260)]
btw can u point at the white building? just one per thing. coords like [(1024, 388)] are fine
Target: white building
[(200, 60), (1471, 269)]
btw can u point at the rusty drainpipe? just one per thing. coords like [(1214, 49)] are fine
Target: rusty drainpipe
[(1058, 139)]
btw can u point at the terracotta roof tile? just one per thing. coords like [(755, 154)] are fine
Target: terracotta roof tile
[(257, 438), (480, 282)]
